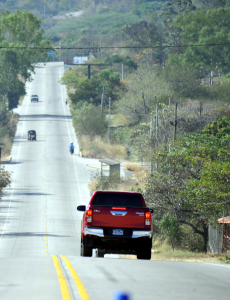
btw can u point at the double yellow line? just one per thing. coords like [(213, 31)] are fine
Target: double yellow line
[(62, 281)]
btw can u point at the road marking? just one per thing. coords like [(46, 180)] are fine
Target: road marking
[(79, 285), (62, 281)]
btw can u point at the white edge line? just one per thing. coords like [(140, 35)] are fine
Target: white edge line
[(62, 100)]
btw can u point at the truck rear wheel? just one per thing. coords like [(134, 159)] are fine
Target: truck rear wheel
[(85, 250), (100, 252), (144, 250)]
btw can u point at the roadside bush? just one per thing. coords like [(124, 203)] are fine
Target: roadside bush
[(191, 241), (89, 120), (171, 229)]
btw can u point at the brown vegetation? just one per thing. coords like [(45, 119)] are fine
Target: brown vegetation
[(7, 139), (98, 147), (133, 167)]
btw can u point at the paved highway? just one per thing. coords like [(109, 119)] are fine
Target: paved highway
[(40, 226)]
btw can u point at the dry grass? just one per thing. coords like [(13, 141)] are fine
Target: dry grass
[(7, 147), (164, 252), (98, 147), (21, 99), (93, 186), (120, 186), (133, 167), (140, 177), (8, 139)]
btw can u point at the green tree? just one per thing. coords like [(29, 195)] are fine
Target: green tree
[(171, 229), (169, 11), (22, 45), (204, 28), (90, 90), (192, 182), (89, 120), (146, 34)]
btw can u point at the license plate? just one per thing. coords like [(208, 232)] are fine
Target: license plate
[(118, 232)]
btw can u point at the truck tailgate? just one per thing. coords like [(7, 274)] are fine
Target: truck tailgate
[(118, 218)]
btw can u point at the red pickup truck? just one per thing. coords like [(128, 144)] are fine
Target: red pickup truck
[(116, 222)]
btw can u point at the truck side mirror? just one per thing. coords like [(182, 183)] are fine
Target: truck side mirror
[(81, 208), (151, 210)]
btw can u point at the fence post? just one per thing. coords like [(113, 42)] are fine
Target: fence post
[(109, 115), (151, 137)]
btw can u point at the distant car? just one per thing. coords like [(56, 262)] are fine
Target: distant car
[(32, 135), (34, 98), (116, 222)]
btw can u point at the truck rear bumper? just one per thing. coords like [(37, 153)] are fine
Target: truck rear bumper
[(100, 232)]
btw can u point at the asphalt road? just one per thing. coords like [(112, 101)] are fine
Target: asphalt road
[(40, 226)]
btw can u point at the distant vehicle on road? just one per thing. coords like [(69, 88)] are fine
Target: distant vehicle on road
[(116, 222), (34, 98), (32, 135)]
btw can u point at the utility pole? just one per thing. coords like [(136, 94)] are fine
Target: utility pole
[(143, 96), (88, 71), (223, 234), (169, 101), (151, 137), (100, 49), (156, 125), (156, 131), (122, 71), (109, 115), (175, 122), (60, 50), (102, 98), (201, 108)]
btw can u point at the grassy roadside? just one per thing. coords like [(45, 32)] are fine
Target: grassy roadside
[(8, 129), (164, 252)]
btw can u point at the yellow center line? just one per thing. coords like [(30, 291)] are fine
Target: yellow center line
[(62, 281), (79, 285)]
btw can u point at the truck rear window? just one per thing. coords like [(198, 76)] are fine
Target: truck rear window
[(117, 200)]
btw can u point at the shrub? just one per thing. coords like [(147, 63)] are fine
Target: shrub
[(171, 229), (89, 120)]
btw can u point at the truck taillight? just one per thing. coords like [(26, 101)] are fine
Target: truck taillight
[(89, 215), (148, 218)]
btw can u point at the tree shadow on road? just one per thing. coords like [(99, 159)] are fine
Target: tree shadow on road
[(30, 234), (42, 116)]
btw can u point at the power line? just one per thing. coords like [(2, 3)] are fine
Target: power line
[(116, 47)]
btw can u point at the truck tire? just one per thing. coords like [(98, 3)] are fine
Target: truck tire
[(85, 250), (100, 252), (144, 251)]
